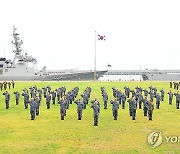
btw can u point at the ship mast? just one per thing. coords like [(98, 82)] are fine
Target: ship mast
[(17, 42)]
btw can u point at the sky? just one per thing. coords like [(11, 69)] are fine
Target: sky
[(140, 34)]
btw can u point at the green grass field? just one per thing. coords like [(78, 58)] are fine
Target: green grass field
[(48, 134)]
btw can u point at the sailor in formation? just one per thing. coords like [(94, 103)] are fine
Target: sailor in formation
[(26, 98), (7, 99), (96, 111), (17, 95), (115, 108), (80, 107), (32, 104)]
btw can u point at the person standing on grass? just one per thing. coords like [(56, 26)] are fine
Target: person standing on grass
[(37, 104), (145, 92), (32, 108), (62, 103), (177, 99), (150, 109), (170, 97), (162, 94), (48, 100), (151, 94), (26, 98), (40, 94), (134, 107), (123, 99), (115, 108), (13, 84), (17, 95), (140, 96), (44, 91), (9, 85), (7, 99), (96, 111), (80, 107), (105, 99), (145, 104), (1, 86), (130, 106), (53, 93), (158, 100)]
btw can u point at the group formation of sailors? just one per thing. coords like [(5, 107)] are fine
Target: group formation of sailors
[(136, 98), (174, 85), (5, 85)]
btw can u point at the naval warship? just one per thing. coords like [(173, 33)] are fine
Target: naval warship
[(150, 75), (24, 67)]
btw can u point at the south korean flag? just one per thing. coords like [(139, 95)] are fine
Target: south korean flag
[(101, 37)]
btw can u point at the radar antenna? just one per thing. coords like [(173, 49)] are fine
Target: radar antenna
[(16, 42)]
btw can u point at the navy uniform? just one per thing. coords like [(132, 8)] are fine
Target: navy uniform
[(1, 86), (170, 84), (133, 107), (133, 93), (37, 105), (40, 94), (62, 108), (145, 105), (177, 85), (130, 106), (170, 97), (174, 83), (5, 85), (127, 91), (96, 111), (17, 95), (162, 94), (85, 99), (58, 94), (32, 108), (123, 99), (9, 85), (177, 99), (13, 84), (48, 100), (115, 107), (7, 99), (150, 109), (80, 107), (48, 89), (67, 97), (140, 96), (64, 90), (119, 94), (155, 91), (26, 98), (33, 94), (44, 91), (158, 100), (53, 93), (105, 99), (31, 91), (151, 95), (145, 92)]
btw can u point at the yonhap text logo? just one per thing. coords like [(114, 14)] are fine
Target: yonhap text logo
[(155, 139)]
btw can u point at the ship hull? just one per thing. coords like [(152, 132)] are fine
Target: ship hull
[(59, 77), (162, 77)]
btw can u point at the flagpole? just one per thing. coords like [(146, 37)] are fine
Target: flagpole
[(95, 59)]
